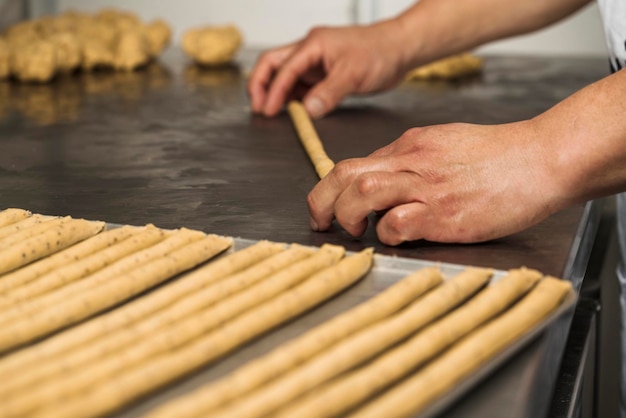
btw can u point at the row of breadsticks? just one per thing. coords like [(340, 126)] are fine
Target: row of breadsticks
[(156, 338), (103, 364)]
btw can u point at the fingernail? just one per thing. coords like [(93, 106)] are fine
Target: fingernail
[(314, 106), (313, 224)]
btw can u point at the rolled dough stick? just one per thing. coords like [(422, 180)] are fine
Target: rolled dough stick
[(164, 330), (104, 265), (469, 354), (22, 224), (311, 142), (48, 242), (262, 370), (358, 347), (140, 308), (350, 389), (111, 292), (138, 381), (12, 215), (34, 230), (74, 253), (78, 270)]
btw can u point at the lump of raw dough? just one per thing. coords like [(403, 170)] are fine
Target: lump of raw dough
[(212, 45), (35, 61), (109, 39)]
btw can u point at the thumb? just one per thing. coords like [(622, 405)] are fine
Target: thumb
[(327, 94)]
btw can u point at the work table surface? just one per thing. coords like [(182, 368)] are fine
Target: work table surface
[(176, 145)]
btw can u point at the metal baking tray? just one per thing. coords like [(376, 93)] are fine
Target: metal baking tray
[(386, 271)]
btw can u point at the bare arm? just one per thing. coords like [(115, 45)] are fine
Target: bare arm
[(436, 28)]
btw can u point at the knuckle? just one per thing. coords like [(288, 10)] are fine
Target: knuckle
[(395, 223), (344, 169), (312, 203), (367, 185)]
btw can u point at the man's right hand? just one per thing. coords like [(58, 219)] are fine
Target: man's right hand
[(327, 65)]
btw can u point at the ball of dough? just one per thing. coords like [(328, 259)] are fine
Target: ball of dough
[(34, 62), (212, 45)]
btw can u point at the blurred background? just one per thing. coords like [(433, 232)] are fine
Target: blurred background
[(272, 22)]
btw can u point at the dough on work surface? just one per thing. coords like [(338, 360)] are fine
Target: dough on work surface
[(212, 45), (109, 39), (35, 62), (454, 67)]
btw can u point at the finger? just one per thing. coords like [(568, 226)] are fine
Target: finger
[(321, 200), (407, 222), (303, 59), (374, 191), (326, 95), (263, 73)]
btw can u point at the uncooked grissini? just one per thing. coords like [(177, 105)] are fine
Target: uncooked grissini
[(175, 325), (110, 293), (293, 353), (355, 387), (122, 317), (58, 273), (135, 382), (309, 138), (462, 359)]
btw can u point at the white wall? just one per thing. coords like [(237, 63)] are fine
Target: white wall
[(273, 22)]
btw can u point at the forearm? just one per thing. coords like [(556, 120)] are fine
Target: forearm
[(432, 29), (584, 138)]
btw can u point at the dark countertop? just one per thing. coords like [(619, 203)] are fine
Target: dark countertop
[(176, 145)]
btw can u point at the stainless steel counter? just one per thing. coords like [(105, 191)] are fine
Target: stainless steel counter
[(176, 145)]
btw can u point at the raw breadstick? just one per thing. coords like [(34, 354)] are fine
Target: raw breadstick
[(311, 142), (34, 230), (226, 288), (111, 293), (135, 382), (75, 271), (22, 224), (11, 215), (172, 327), (358, 347), (350, 389), (140, 308), (469, 354), (128, 254), (287, 356), (76, 252), (46, 243)]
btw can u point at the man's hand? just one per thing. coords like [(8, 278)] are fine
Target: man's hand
[(326, 66), (446, 183)]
